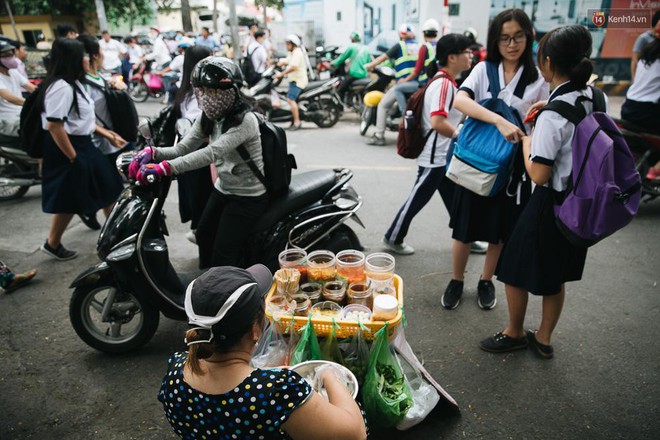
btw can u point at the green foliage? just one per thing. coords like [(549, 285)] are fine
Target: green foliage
[(114, 9)]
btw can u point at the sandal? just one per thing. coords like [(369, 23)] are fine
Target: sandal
[(542, 350), (20, 280)]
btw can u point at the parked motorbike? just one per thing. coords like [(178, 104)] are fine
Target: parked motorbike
[(324, 57), (18, 172), (144, 84), (645, 148), (116, 304), (317, 103), (354, 97)]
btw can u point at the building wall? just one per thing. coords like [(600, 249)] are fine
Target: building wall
[(340, 19)]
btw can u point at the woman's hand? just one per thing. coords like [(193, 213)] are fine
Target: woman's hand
[(510, 131), (153, 169), (142, 158), (535, 108), (116, 140)]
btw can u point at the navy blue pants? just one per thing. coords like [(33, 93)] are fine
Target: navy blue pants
[(428, 181)]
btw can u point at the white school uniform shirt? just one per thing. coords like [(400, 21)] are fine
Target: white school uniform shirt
[(111, 52), (160, 53), (438, 101), (477, 86), (189, 107), (12, 83), (103, 117), (58, 106), (135, 54), (553, 135), (646, 84)]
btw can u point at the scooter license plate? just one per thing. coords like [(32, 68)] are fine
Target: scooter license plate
[(324, 75)]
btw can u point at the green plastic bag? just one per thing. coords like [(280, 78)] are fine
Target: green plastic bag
[(330, 348), (356, 355), (385, 394), (308, 348)]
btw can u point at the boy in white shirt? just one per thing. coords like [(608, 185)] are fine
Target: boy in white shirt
[(11, 98)]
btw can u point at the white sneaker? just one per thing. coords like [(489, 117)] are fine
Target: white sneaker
[(190, 235), (479, 247), (401, 249)]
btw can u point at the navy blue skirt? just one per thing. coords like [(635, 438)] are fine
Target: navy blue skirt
[(86, 185), (537, 257)]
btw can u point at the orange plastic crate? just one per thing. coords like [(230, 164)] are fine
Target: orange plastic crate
[(323, 326)]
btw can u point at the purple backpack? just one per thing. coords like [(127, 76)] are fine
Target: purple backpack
[(604, 189)]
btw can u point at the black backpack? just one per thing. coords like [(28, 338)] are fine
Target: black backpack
[(30, 131), (277, 161), (249, 72), (123, 114)]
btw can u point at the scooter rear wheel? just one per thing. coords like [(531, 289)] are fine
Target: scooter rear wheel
[(131, 322), (9, 168), (331, 112), (366, 120), (138, 91)]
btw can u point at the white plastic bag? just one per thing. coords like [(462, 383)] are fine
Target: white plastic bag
[(425, 396)]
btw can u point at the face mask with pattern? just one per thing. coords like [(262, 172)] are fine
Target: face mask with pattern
[(215, 103)]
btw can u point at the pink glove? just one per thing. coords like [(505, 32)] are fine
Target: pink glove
[(153, 169), (142, 158)]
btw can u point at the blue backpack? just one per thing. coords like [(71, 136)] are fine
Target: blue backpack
[(482, 159)]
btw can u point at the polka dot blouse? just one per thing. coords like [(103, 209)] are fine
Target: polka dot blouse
[(255, 409)]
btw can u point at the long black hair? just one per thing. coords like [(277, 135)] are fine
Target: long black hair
[(530, 74), (192, 56), (651, 52), (67, 64), (569, 49), (92, 46)]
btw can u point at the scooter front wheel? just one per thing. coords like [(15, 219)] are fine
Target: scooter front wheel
[(366, 120), (110, 320), (9, 169)]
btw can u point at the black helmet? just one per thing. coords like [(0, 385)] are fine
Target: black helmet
[(5, 46), (217, 73)]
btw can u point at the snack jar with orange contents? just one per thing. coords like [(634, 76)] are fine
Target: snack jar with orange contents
[(350, 266)]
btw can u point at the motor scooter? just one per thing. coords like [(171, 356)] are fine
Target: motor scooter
[(354, 97), (18, 171), (144, 83), (324, 57), (370, 109), (116, 304), (318, 102), (645, 148)]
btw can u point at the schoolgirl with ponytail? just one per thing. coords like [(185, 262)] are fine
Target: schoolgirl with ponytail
[(537, 258)]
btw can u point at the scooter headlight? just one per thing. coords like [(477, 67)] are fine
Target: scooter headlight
[(121, 253)]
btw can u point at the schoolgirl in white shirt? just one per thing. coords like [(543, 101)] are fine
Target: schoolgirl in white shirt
[(474, 217), (76, 178), (537, 258)]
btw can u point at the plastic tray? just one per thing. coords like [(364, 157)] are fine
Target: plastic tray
[(346, 329)]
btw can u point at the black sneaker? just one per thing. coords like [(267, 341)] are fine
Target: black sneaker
[(486, 294), (501, 343), (61, 253), (542, 350), (452, 296), (90, 221)]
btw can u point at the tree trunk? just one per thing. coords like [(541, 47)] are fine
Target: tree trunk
[(185, 16), (215, 16), (100, 13)]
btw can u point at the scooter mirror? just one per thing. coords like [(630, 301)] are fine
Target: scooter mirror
[(144, 127)]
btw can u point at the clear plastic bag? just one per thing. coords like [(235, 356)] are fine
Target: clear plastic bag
[(272, 349), (425, 397), (356, 354), (330, 348)]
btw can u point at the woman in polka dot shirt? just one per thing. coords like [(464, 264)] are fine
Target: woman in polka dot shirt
[(211, 392)]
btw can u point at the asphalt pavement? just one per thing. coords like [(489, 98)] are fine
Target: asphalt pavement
[(602, 384)]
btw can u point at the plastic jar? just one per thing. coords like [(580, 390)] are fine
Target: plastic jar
[(334, 291), (312, 290), (326, 310), (303, 305), (279, 305), (385, 308), (360, 293), (379, 268), (350, 266), (320, 266), (294, 259), (355, 313)]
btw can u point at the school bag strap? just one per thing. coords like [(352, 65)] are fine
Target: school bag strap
[(494, 82), (253, 166), (102, 88)]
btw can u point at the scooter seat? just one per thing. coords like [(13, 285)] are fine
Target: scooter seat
[(358, 83), (305, 189), (314, 85)]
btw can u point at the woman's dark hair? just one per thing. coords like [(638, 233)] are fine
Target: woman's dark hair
[(206, 350), (569, 49), (450, 44), (92, 46), (530, 74), (66, 63), (651, 52), (192, 56)]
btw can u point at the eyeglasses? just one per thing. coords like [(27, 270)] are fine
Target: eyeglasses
[(518, 38)]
